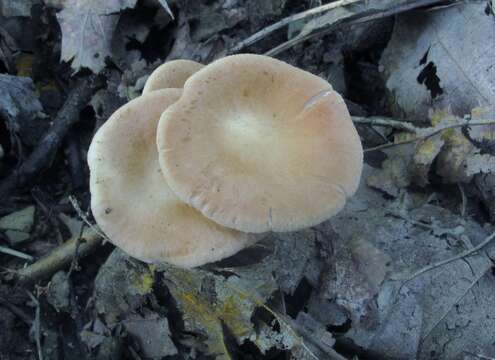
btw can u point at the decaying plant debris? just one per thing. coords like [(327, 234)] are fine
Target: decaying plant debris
[(405, 271)]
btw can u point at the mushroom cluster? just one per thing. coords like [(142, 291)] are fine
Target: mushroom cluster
[(211, 156)]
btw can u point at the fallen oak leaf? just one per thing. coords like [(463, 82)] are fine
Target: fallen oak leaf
[(441, 61), (87, 28), (211, 305)]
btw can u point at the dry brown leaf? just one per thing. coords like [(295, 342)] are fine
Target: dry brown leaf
[(87, 28)]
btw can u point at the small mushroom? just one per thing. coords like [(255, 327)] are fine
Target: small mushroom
[(258, 145), (172, 74), (131, 201)]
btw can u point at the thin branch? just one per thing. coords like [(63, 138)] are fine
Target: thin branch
[(358, 18), (45, 151), (59, 257), (85, 219), (457, 301), (286, 21), (430, 134), (423, 225), (462, 255), (383, 121), (9, 251), (37, 325)]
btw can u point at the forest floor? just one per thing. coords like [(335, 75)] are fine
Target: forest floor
[(405, 271)]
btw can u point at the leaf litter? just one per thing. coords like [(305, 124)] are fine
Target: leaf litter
[(393, 275)]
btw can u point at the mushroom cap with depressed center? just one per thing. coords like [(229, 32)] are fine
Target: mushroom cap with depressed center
[(131, 201), (172, 74), (258, 145)]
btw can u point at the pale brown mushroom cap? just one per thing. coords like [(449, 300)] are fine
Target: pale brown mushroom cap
[(256, 145), (172, 74), (131, 201)]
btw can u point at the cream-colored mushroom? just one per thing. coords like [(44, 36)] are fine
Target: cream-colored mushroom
[(256, 145), (131, 201), (172, 74)]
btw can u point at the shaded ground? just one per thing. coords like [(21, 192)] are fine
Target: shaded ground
[(337, 290)]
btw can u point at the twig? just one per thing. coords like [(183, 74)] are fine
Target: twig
[(286, 21), (424, 225), (85, 219), (37, 325), (358, 18), (462, 255), (474, 282), (59, 257), (430, 134), (383, 121), (9, 251), (43, 154)]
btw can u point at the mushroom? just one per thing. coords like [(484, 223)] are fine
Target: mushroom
[(258, 145), (131, 201), (172, 74)]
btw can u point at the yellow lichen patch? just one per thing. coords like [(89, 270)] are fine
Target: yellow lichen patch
[(436, 117), (452, 148), (402, 136), (486, 132), (428, 150), (144, 282)]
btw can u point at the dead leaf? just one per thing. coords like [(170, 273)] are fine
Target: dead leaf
[(359, 270), (478, 163), (438, 311), (214, 301), (122, 286), (87, 29), (441, 61), (395, 173), (453, 153), (152, 334), (451, 160), (426, 152), (21, 108), (10, 8), (210, 302)]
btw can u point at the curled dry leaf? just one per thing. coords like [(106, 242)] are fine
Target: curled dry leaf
[(395, 173), (455, 154)]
